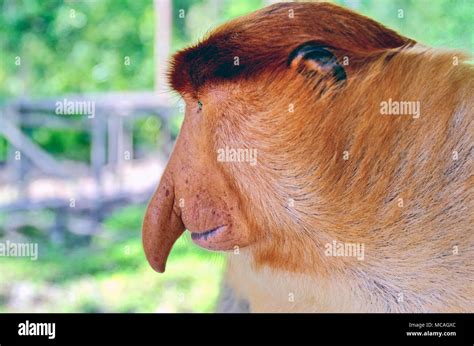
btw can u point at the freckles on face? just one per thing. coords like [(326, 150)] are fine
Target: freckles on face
[(202, 211), (195, 193), (207, 203), (214, 222)]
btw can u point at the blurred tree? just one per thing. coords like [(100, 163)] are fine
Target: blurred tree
[(439, 23), (53, 47)]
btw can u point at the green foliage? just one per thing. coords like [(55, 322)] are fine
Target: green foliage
[(67, 144), (146, 132), (3, 149), (438, 23), (80, 46), (200, 17)]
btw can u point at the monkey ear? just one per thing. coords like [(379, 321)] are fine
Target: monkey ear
[(312, 58)]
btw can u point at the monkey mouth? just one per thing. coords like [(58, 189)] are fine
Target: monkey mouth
[(209, 239), (206, 234)]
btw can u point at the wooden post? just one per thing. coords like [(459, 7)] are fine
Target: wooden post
[(9, 114), (98, 157), (163, 14), (112, 127), (16, 162), (57, 233), (98, 150)]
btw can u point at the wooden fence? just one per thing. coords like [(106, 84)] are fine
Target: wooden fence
[(111, 136), (110, 131)]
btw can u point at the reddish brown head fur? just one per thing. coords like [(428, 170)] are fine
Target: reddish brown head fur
[(264, 39)]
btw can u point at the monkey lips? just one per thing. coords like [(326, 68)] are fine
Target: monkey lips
[(208, 239)]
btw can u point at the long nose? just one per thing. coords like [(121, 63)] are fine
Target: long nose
[(162, 225)]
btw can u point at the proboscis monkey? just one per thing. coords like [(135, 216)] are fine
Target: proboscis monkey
[(330, 157)]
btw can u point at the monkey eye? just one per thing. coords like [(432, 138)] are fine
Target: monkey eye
[(199, 105)]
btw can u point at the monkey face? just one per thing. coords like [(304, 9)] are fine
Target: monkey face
[(224, 174), (194, 194), (250, 111)]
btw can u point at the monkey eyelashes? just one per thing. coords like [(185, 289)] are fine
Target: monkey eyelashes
[(312, 59)]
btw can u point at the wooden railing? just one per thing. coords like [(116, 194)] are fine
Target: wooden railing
[(111, 136)]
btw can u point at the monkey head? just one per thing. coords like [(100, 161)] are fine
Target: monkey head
[(246, 166)]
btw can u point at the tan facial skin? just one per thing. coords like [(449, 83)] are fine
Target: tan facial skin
[(193, 194)]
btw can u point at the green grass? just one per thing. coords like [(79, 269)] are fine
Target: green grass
[(111, 275)]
